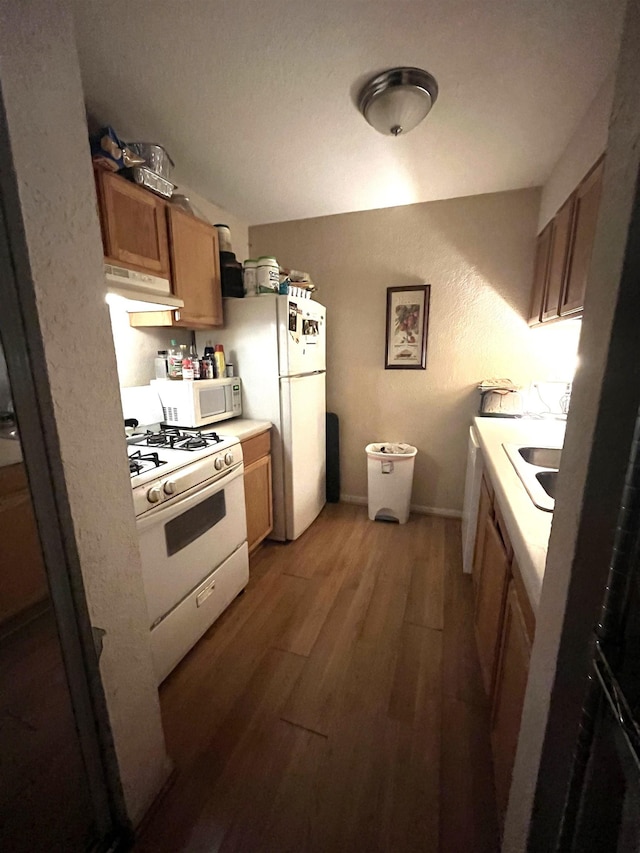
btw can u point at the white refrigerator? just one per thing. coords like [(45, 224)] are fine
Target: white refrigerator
[(277, 345)]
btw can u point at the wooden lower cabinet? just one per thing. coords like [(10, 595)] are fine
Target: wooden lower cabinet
[(23, 580), (485, 511), (504, 627), (257, 488), (492, 586), (508, 697)]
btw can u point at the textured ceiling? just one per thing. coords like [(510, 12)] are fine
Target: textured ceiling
[(254, 100)]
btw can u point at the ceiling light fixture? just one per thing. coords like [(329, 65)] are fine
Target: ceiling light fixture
[(397, 100)]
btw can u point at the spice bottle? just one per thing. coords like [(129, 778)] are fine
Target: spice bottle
[(208, 370), (187, 364), (195, 362)]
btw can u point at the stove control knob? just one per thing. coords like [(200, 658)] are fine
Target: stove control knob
[(154, 494), (170, 487), (228, 458), (218, 463)]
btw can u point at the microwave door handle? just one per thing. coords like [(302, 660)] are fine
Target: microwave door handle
[(165, 512)]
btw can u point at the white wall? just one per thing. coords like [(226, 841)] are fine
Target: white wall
[(583, 149), (63, 277), (477, 254)]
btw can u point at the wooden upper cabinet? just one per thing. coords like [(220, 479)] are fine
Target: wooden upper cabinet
[(543, 245), (134, 225), (558, 257), (587, 202), (195, 261), (563, 253)]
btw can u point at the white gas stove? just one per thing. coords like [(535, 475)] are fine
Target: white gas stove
[(188, 496), (169, 461)]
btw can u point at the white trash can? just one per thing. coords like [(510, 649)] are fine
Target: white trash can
[(390, 478)]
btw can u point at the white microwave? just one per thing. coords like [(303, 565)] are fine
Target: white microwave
[(196, 403)]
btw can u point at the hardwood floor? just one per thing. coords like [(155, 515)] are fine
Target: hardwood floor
[(337, 705)]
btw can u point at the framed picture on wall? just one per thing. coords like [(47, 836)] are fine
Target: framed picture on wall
[(407, 324)]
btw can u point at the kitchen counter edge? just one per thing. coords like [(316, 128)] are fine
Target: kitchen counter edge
[(528, 527), (242, 428)]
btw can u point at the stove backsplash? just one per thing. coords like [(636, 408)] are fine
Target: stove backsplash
[(136, 349)]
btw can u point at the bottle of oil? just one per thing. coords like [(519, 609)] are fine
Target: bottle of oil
[(219, 360)]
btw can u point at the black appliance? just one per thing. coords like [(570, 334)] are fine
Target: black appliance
[(231, 275)]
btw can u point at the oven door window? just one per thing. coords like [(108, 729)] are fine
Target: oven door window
[(192, 524)]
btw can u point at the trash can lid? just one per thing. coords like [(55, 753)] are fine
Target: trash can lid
[(390, 450)]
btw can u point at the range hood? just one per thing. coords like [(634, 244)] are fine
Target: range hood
[(138, 291)]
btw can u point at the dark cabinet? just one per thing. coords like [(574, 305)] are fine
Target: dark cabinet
[(543, 245), (558, 258), (585, 219), (563, 253)]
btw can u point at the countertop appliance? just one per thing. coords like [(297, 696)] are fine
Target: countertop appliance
[(188, 496), (501, 403), (471, 500), (196, 404), (279, 346)]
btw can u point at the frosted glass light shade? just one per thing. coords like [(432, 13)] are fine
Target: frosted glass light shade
[(396, 101)]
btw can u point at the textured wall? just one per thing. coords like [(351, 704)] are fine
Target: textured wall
[(477, 254), (44, 107), (137, 348), (587, 143)]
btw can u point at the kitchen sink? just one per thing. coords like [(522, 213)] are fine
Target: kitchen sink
[(542, 457), (547, 480), (537, 468)]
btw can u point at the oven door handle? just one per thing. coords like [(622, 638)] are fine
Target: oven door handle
[(197, 494)]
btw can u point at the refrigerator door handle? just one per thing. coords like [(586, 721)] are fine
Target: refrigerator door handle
[(302, 375)]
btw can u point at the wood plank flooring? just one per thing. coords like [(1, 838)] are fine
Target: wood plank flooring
[(337, 705)]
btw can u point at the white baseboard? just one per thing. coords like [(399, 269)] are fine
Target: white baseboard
[(420, 510)]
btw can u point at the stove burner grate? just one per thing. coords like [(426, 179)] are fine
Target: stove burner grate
[(176, 439), (138, 461)]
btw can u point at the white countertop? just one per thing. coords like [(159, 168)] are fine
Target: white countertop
[(10, 452), (528, 526), (242, 428)]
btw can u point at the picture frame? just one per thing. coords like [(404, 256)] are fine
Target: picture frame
[(407, 326)]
